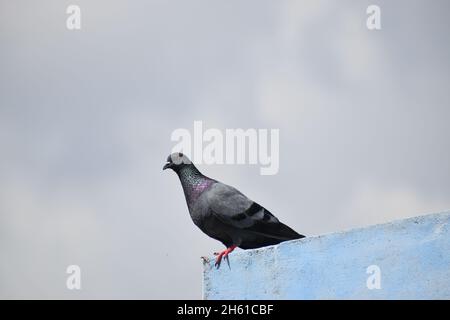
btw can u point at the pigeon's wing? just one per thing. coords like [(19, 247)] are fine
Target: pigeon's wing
[(233, 208)]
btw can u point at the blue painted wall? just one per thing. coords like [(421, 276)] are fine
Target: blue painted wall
[(413, 257)]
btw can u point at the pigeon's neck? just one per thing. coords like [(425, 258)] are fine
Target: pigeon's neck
[(193, 183)]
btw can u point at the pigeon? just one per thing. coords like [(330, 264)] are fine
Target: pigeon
[(224, 213)]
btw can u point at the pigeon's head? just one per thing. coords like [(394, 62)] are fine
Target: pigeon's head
[(177, 161)]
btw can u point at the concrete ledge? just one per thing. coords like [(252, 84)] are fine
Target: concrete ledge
[(413, 257)]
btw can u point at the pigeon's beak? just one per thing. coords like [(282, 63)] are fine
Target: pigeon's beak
[(168, 165)]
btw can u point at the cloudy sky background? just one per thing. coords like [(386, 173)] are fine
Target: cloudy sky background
[(86, 118)]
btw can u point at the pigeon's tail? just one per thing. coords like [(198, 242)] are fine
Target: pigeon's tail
[(267, 235), (281, 232), (287, 233)]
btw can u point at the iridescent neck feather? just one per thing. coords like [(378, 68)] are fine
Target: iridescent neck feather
[(193, 183)]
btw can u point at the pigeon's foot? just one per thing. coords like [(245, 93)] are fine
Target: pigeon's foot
[(224, 254)]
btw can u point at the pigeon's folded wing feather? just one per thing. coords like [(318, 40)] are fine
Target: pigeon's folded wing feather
[(233, 208), (230, 206)]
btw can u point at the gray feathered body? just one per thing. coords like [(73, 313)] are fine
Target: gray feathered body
[(225, 214)]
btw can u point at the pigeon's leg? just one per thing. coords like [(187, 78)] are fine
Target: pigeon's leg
[(223, 254)]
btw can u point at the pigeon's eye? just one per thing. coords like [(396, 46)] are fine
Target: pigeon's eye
[(180, 154)]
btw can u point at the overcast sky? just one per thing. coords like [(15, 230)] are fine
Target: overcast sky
[(86, 118)]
